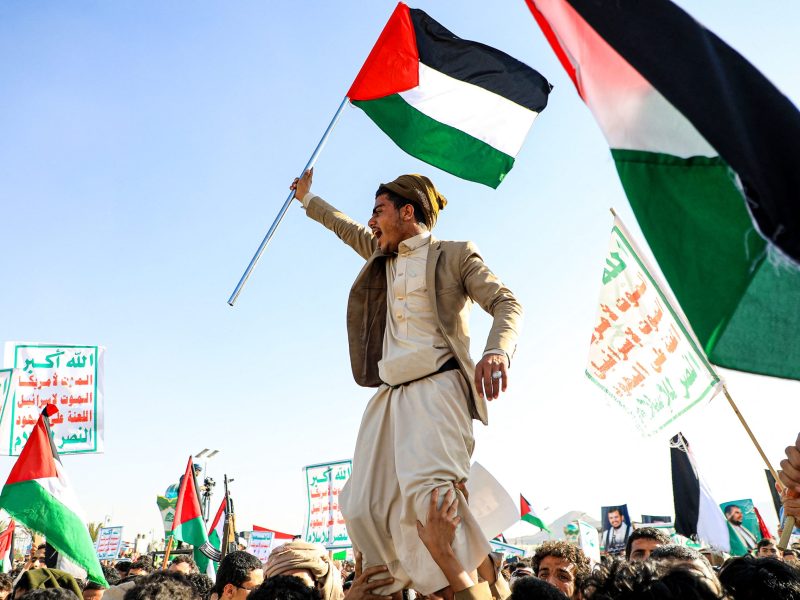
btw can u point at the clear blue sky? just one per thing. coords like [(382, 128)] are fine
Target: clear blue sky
[(146, 147)]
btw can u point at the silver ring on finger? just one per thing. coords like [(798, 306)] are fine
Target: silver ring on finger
[(497, 374)]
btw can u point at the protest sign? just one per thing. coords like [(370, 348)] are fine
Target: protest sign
[(108, 543), (641, 354), (747, 513), (67, 376), (506, 549), (166, 507), (261, 544), (324, 521), (583, 535)]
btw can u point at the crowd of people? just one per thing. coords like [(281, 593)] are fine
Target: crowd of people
[(651, 568)]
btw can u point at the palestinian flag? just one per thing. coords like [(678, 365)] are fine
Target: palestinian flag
[(38, 495), (527, 514), (188, 525), (6, 544), (277, 535), (762, 526), (458, 105), (697, 515), (707, 151)]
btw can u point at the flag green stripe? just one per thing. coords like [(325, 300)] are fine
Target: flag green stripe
[(192, 532), (742, 307), (534, 520), (440, 145), (29, 503)]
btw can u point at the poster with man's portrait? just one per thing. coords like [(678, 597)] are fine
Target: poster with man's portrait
[(616, 528)]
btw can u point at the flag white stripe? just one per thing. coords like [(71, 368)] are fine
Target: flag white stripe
[(632, 113), (484, 115), (60, 489)]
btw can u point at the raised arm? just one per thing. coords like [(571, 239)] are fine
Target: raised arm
[(354, 234)]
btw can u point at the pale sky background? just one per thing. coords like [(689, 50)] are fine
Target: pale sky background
[(145, 148)]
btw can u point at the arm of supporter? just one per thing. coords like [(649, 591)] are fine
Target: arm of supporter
[(437, 535), (357, 236), (790, 477), (363, 586), (486, 289)]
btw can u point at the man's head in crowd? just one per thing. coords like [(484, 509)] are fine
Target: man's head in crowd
[(51, 594), (123, 567), (643, 541), (141, 566), (734, 514), (308, 562), (671, 555), (766, 548), (531, 588), (615, 518), (562, 565), (750, 578), (239, 573), (183, 563), (111, 574), (162, 585), (791, 556), (620, 580), (284, 587), (6, 584), (201, 583), (93, 591)]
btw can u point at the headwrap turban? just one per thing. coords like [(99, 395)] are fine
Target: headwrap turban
[(421, 191), (302, 555)]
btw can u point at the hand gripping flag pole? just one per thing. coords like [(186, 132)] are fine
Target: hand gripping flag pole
[(267, 238)]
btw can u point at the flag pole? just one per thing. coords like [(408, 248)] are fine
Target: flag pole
[(286, 204), (788, 526)]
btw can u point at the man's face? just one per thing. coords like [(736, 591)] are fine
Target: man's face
[(558, 572), (768, 551), (92, 594), (735, 516), (641, 549), (387, 224), (240, 592), (615, 518), (790, 558)]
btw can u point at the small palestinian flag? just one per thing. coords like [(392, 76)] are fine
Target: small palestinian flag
[(6, 542), (697, 515), (528, 515), (188, 525), (38, 495), (458, 105)]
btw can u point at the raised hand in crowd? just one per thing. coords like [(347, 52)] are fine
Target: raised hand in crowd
[(790, 476), (364, 586)]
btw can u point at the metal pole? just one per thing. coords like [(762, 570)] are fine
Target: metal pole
[(286, 204)]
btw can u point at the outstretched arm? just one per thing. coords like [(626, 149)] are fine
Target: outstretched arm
[(355, 235)]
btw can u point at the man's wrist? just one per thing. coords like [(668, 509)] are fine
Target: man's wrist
[(307, 198)]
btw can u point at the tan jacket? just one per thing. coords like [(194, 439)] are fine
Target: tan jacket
[(455, 276)]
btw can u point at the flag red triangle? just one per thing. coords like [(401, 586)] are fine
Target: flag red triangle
[(524, 506), (37, 459), (278, 534), (762, 526), (187, 506), (6, 537), (393, 64)]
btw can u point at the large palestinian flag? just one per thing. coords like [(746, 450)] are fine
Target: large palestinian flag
[(459, 105), (38, 495), (708, 152)]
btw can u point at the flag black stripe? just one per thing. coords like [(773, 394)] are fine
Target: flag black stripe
[(685, 488), (478, 64), (752, 125)]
